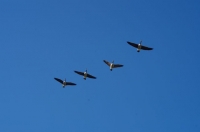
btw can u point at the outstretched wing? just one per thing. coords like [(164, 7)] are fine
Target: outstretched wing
[(70, 83), (117, 65), (90, 76), (146, 48), (133, 44), (108, 63), (80, 73), (59, 80)]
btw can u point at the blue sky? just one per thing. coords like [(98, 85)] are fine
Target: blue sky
[(155, 91)]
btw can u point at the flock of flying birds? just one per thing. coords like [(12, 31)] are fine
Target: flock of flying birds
[(110, 64)]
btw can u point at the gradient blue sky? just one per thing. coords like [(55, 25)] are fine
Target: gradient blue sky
[(155, 91)]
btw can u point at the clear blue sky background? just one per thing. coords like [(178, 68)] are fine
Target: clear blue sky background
[(155, 91)]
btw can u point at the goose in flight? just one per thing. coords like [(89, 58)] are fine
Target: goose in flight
[(85, 74), (64, 83), (112, 65), (139, 46)]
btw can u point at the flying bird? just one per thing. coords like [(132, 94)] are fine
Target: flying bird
[(64, 83), (139, 46), (85, 74), (112, 65)]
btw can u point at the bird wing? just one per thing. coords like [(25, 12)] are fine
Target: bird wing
[(146, 48), (117, 65), (90, 76), (133, 44), (59, 80), (70, 83), (108, 63), (80, 73)]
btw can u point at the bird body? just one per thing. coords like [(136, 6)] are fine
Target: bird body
[(64, 83), (85, 74), (112, 65)]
